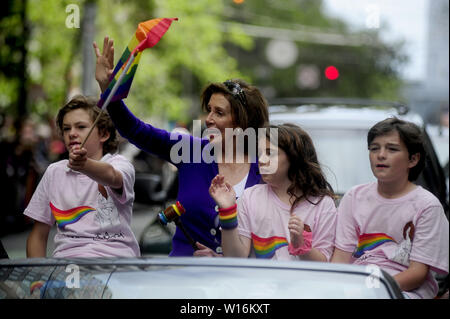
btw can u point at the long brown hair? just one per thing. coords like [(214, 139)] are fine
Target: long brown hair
[(304, 172)]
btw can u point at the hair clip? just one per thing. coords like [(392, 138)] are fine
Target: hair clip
[(236, 90)]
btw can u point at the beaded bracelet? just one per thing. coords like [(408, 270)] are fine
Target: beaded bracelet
[(305, 248), (228, 217)]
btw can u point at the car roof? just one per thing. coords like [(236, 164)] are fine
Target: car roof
[(190, 277), (338, 113)]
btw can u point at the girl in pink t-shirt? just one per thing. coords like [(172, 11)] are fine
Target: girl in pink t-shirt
[(392, 223), (292, 216)]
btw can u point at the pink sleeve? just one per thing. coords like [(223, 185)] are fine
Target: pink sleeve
[(124, 166), (346, 234), (430, 244), (325, 228), (38, 208), (244, 226)]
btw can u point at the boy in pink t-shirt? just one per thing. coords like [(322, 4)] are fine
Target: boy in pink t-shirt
[(89, 196), (392, 223)]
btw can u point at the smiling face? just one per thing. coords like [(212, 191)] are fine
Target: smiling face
[(219, 116), (75, 127), (389, 158)]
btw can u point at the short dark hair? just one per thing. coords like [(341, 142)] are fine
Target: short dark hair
[(409, 133), (104, 124), (254, 112)]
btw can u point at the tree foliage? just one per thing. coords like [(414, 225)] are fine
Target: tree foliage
[(202, 47), (368, 70)]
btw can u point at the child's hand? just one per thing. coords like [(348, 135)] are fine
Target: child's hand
[(105, 63), (296, 228), (77, 158), (222, 192)]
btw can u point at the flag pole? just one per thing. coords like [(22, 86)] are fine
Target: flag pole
[(111, 94)]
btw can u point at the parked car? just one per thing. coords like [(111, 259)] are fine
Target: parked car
[(339, 130), (191, 278)]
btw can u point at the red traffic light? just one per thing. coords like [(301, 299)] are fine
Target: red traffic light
[(331, 73)]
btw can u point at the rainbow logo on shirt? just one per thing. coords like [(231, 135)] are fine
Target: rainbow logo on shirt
[(266, 247), (368, 242), (66, 217)]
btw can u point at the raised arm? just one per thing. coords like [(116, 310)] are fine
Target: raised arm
[(144, 136), (105, 63), (233, 244), (101, 172)]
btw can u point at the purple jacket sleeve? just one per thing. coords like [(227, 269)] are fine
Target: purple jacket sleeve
[(144, 136)]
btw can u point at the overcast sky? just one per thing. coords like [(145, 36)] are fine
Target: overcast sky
[(405, 19)]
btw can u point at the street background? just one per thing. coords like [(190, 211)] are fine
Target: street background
[(371, 49)]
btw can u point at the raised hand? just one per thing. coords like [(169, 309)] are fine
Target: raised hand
[(222, 192), (296, 227), (105, 63)]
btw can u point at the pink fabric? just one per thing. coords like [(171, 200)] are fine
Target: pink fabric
[(416, 223), (104, 232), (262, 213), (303, 249)]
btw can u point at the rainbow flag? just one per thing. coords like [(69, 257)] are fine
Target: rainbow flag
[(147, 34), (66, 217), (266, 247), (368, 242)]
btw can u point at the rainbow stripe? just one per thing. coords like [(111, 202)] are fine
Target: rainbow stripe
[(66, 217), (147, 34), (266, 247), (36, 285), (368, 242), (228, 220)]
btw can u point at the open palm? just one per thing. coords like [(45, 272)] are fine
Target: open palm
[(222, 192), (104, 66)]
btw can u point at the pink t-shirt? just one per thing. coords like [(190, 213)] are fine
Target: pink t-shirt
[(89, 225), (264, 218), (391, 232)]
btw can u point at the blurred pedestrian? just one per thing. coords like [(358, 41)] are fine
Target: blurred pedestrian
[(19, 175)]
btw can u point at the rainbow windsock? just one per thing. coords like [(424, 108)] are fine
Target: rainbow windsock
[(66, 217), (266, 247), (147, 34), (368, 242)]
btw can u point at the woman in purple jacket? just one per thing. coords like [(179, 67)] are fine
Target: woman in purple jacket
[(229, 105)]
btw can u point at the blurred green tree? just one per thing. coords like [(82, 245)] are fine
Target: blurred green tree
[(212, 41), (368, 67), (169, 77), (13, 53)]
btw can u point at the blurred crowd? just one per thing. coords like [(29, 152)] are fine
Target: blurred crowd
[(27, 146)]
